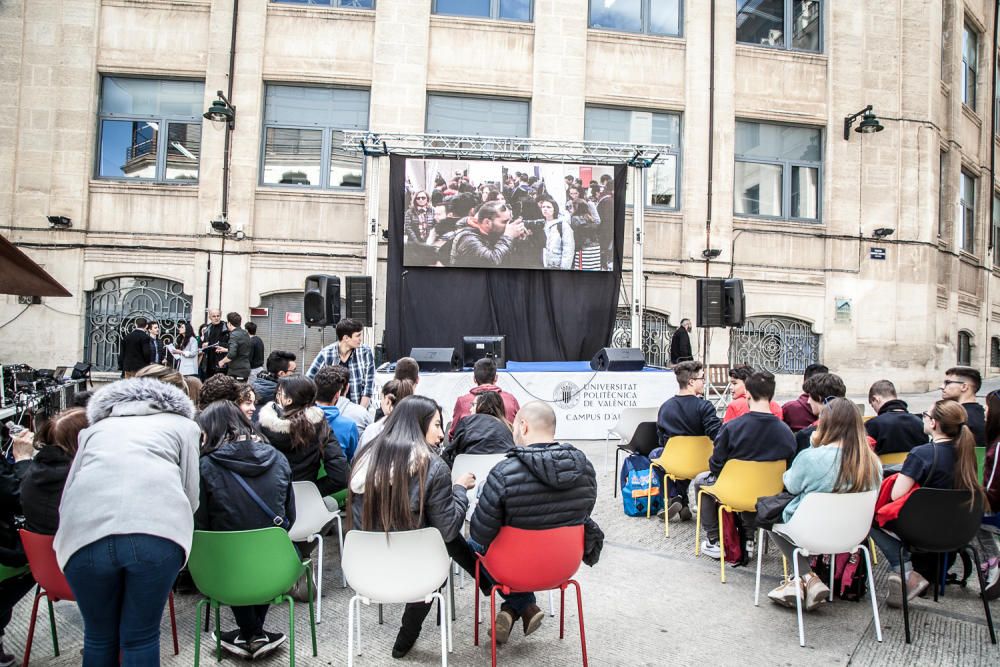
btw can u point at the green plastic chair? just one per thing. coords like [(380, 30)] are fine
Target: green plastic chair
[(247, 567)]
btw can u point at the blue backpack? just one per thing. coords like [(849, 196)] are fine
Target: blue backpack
[(635, 486)]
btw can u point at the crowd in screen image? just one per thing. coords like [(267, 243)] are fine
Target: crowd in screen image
[(509, 215)]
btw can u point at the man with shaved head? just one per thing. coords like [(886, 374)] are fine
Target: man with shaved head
[(541, 484)]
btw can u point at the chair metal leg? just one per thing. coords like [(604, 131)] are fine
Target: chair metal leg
[(340, 537), (350, 630), (475, 622), (562, 610), (982, 594), (906, 602), (173, 623), (579, 610), (871, 593), (291, 624), (761, 541), (833, 571), (318, 575), (936, 584), (208, 617), (450, 608), (798, 596), (52, 627), (451, 591), (313, 617), (493, 625), (197, 631), (697, 525), (443, 618), (873, 551), (380, 619), (666, 514), (722, 548), (31, 626), (614, 473), (218, 632), (358, 615)]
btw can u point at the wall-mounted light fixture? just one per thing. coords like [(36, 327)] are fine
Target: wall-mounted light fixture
[(883, 232), (869, 123), (222, 111), (59, 221), (710, 253)]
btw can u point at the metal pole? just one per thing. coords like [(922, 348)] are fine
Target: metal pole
[(638, 216), (373, 174)]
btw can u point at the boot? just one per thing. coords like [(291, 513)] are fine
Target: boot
[(409, 631)]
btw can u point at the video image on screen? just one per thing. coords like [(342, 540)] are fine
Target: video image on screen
[(508, 215)]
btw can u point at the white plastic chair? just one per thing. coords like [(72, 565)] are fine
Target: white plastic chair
[(479, 465), (395, 568), (827, 523), (624, 429), (311, 514)]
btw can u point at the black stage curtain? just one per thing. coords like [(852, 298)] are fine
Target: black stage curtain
[(546, 315)]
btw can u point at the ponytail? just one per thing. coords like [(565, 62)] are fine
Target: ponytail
[(952, 421), (302, 430)]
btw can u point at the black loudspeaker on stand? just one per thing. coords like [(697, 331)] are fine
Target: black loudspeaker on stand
[(321, 301), (618, 359), (721, 302), (359, 299), (437, 359)]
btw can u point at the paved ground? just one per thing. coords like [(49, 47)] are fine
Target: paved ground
[(648, 602)]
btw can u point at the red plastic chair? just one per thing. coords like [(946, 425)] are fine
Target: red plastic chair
[(53, 585), (523, 561)]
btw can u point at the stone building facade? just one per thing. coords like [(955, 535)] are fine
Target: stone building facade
[(793, 209)]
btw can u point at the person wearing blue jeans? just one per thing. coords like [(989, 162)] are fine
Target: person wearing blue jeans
[(121, 583)]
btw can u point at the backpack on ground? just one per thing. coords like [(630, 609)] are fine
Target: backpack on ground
[(926, 566), (635, 484), (737, 539), (850, 576)]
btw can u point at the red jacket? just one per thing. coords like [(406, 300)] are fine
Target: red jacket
[(887, 509), (741, 406), (797, 414), (463, 404)]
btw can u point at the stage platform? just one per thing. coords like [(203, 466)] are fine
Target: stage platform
[(587, 402)]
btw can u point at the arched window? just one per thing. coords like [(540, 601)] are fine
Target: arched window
[(304, 342), (995, 352), (773, 343), (656, 334), (113, 305), (964, 348)]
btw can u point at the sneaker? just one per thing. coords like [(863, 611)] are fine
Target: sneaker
[(816, 592), (6, 659), (672, 509), (233, 644), (531, 619), (991, 573), (265, 643), (504, 623), (785, 593), (915, 585), (685, 513), (711, 549), (748, 548)]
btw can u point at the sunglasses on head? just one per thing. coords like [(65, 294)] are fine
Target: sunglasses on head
[(829, 399)]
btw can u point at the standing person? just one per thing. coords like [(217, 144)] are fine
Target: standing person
[(740, 405), (216, 335), (680, 343), (237, 359), (399, 483), (560, 245), (358, 359), (839, 461), (43, 483), (947, 462), (135, 349), (393, 392), (487, 238), (798, 414), (184, 350), (256, 351), (893, 429), (418, 221), (231, 452), (330, 384), (127, 516), (484, 373), (685, 413), (157, 350), (279, 364), (961, 384)]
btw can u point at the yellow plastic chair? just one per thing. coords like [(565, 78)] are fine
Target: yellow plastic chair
[(683, 457), (892, 459), (739, 486)]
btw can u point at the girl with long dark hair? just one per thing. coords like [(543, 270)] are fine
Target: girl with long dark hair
[(947, 462), (559, 245), (399, 483), (184, 349), (485, 431), (418, 221)]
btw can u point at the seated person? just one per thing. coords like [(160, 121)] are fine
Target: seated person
[(839, 461), (740, 405), (330, 387), (407, 369), (685, 413), (486, 431), (541, 484), (279, 364), (484, 372), (893, 429), (756, 436), (947, 462), (393, 392), (821, 388), (231, 448), (43, 483), (797, 414), (961, 384), (348, 408)]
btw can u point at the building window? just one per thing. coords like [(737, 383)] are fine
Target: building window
[(770, 22), (967, 223), (656, 334), (778, 171), (510, 10), (996, 230), (483, 116), (775, 344), (115, 303), (970, 65), (965, 348), (353, 4), (150, 129), (995, 352), (643, 127), (942, 172), (304, 136), (654, 17)]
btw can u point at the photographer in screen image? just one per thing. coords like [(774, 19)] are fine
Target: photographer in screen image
[(486, 239)]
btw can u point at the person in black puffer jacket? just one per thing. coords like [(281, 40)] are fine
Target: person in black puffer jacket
[(541, 484), (485, 431), (894, 429), (298, 429), (279, 364), (231, 449), (42, 486)]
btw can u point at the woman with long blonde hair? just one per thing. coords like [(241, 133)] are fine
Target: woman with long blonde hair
[(839, 461)]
